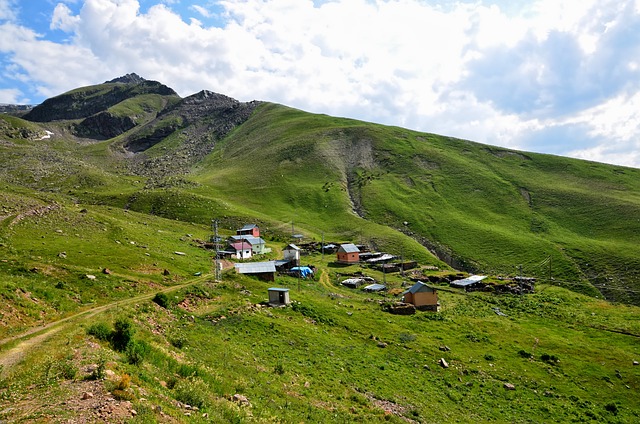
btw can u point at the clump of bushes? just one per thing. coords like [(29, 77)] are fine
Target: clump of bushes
[(121, 339), (162, 300), (525, 354)]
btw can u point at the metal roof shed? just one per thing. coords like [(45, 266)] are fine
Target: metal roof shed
[(374, 288), (467, 281), (278, 296), (263, 270)]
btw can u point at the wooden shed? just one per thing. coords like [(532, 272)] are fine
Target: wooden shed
[(422, 297), (348, 254), (278, 296)]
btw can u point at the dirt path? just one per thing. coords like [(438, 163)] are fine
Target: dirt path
[(37, 335)]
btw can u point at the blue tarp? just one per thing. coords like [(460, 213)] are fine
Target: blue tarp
[(303, 270)]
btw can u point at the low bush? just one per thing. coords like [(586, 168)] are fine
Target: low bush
[(100, 331), (137, 351), (162, 300), (192, 392), (122, 334)]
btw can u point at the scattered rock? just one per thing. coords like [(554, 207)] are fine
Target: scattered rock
[(179, 253), (382, 344), (166, 272), (134, 412), (106, 271), (62, 255), (509, 386), (90, 277), (444, 348), (240, 399), (426, 367), (87, 395), (443, 363), (636, 363)]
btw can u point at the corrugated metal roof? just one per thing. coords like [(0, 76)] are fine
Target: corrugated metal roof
[(292, 247), (251, 239), (468, 281), (419, 287), (278, 289), (256, 267), (248, 227), (375, 287), (349, 248)]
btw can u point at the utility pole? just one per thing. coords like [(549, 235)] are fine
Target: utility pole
[(322, 246), (217, 272)]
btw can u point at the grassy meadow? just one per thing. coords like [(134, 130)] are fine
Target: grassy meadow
[(93, 250)]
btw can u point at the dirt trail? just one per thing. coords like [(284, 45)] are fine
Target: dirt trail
[(37, 335)]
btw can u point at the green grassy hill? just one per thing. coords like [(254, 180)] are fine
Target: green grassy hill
[(86, 221)]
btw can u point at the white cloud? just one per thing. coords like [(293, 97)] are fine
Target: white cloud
[(8, 10), (63, 19), (514, 78), (201, 10), (10, 96)]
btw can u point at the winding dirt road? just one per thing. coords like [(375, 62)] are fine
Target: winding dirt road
[(37, 335)]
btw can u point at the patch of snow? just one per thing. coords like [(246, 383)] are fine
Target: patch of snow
[(47, 136)]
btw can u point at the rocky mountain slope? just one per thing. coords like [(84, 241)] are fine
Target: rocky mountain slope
[(135, 143)]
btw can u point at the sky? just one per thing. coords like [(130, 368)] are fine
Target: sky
[(549, 76)]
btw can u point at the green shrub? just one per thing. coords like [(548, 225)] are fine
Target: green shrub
[(552, 359), (188, 370), (525, 354), (192, 392), (162, 299), (137, 351), (122, 334), (100, 331), (612, 407)]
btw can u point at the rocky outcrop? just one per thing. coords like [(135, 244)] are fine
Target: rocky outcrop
[(104, 125), (199, 121), (85, 102)]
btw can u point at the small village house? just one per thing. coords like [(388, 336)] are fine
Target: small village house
[(241, 249), (278, 296), (291, 253), (258, 245), (422, 296), (348, 254), (249, 230)]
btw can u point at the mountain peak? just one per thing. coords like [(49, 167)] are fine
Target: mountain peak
[(127, 79)]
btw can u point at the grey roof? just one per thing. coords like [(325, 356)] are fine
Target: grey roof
[(349, 248), (467, 281), (251, 239), (248, 227), (419, 287), (292, 247), (375, 287), (256, 267), (279, 289)]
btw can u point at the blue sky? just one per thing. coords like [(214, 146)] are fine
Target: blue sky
[(551, 76)]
